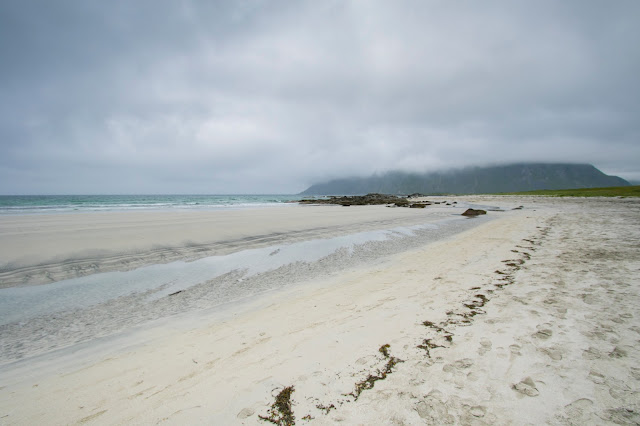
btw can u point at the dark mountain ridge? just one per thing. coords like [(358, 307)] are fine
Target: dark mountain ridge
[(473, 180)]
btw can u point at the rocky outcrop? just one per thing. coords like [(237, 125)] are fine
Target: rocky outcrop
[(473, 212), (367, 200)]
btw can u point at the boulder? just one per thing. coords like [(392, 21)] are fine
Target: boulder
[(473, 212)]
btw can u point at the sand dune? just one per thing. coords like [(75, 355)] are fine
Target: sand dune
[(530, 318)]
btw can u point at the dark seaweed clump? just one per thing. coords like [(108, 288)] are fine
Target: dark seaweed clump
[(370, 381), (280, 412)]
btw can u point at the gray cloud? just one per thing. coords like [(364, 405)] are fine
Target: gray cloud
[(257, 96)]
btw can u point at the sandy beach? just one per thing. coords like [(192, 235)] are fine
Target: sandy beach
[(527, 316), (37, 249)]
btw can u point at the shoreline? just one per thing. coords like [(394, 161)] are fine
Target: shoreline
[(16, 205), (551, 340), (73, 311), (37, 250)]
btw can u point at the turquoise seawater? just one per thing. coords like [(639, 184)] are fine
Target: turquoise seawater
[(38, 204)]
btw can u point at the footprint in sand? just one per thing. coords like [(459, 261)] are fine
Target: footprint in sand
[(543, 334), (618, 389), (617, 352), (622, 415), (526, 387), (461, 364), (473, 376), (554, 354), (589, 299), (560, 312), (579, 411), (591, 353), (515, 350), (485, 346), (478, 411), (434, 410), (245, 412), (596, 377)]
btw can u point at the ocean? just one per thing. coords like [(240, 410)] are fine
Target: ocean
[(39, 204)]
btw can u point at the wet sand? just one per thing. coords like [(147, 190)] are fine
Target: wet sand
[(44, 248), (531, 317)]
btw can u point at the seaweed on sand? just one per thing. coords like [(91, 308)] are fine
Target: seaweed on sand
[(479, 301), (280, 412), (427, 345), (384, 350), (370, 381), (325, 408)]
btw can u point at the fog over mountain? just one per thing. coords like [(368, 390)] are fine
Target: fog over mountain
[(473, 180)]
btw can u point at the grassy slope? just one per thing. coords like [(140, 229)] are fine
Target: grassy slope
[(616, 191)]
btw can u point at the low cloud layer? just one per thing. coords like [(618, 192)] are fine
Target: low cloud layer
[(271, 96)]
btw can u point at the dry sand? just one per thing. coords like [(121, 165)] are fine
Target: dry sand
[(530, 318)]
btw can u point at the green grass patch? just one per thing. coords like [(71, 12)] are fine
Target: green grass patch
[(615, 191)]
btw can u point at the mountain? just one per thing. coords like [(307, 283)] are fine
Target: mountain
[(473, 180)]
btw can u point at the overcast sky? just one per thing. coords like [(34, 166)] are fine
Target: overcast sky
[(271, 96)]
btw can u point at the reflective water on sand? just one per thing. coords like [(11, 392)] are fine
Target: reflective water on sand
[(21, 303)]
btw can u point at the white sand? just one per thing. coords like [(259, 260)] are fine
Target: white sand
[(541, 305), (40, 249)]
